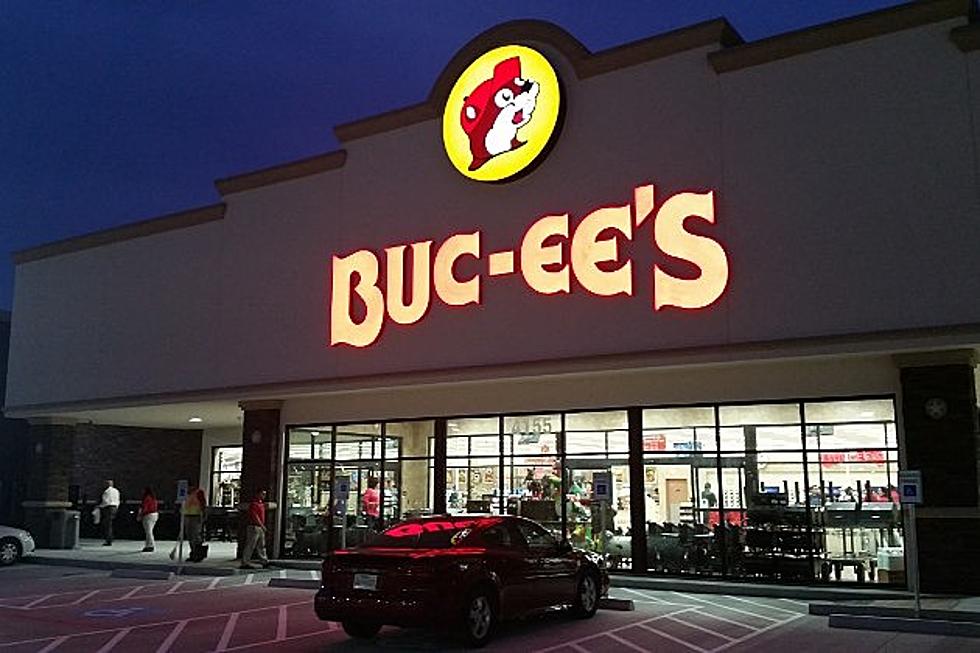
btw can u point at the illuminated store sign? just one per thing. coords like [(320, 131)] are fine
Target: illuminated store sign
[(501, 114), (362, 298)]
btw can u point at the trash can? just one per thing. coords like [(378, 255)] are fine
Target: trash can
[(63, 528)]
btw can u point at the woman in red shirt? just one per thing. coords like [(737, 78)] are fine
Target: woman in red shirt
[(371, 502), (148, 514)]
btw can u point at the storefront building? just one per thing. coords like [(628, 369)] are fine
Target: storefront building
[(690, 302)]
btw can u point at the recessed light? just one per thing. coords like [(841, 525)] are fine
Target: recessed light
[(314, 433), (195, 420)]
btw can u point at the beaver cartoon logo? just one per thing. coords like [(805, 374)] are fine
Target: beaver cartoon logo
[(496, 109), (502, 113)]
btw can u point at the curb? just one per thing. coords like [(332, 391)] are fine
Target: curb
[(308, 565), (294, 583), (622, 605), (827, 609), (745, 589), (147, 574), (111, 565), (901, 625)]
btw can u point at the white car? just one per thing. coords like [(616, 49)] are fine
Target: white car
[(14, 543)]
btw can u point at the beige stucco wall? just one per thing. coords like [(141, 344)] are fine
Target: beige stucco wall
[(846, 200)]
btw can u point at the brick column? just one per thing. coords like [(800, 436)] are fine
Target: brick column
[(261, 462), (49, 470), (939, 412)]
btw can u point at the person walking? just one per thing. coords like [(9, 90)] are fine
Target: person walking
[(148, 515), (193, 511), (371, 503), (255, 532), (108, 508)]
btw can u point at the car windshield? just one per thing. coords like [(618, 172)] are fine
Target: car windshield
[(428, 534)]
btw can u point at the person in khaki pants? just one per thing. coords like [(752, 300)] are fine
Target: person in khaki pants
[(255, 532)]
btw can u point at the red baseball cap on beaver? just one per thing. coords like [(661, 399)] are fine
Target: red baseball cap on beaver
[(503, 74)]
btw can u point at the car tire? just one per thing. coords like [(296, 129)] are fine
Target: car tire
[(10, 551), (479, 617), (586, 596), (361, 629)]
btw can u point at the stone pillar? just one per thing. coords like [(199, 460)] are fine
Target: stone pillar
[(939, 413), (262, 464), (49, 473)]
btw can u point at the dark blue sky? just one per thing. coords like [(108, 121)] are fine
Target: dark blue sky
[(114, 111)]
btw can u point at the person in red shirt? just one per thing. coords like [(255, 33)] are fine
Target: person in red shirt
[(371, 502), (148, 515), (255, 532)]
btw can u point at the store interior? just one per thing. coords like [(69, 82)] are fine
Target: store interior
[(800, 491)]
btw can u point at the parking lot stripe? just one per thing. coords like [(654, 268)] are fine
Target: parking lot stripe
[(214, 583), (83, 598), (177, 585), (580, 649), (272, 641), (248, 579), (762, 605), (722, 606), (726, 620), (172, 637), (758, 632), (108, 646), (575, 643), (227, 632), (654, 599), (713, 633), (131, 592), (281, 624), (36, 601), (55, 643), (626, 643), (678, 640), (803, 603)]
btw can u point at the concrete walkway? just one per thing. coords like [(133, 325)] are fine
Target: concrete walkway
[(127, 554)]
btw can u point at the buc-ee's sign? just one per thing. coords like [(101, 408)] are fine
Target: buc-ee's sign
[(593, 259), (501, 117)]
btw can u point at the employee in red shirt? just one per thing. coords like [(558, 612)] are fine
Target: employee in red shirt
[(255, 532), (148, 514)]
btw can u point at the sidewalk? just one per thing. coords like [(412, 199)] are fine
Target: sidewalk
[(127, 554)]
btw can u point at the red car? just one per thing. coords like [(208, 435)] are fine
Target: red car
[(465, 572)]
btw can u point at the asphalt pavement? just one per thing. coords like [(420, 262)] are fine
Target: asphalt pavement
[(64, 609)]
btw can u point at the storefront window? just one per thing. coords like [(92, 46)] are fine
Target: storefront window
[(226, 473)]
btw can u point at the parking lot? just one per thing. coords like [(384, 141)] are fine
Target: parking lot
[(45, 609)]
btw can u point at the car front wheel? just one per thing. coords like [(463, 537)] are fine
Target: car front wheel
[(9, 551), (361, 629), (479, 618), (586, 596)]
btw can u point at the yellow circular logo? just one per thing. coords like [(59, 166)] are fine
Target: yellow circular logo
[(501, 113)]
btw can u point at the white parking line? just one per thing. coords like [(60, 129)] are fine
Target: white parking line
[(172, 637), (804, 604), (227, 632), (722, 606), (652, 598), (762, 605), (248, 579), (680, 641), (281, 624), (580, 649), (575, 643), (758, 632), (214, 583), (288, 639), (701, 628), (54, 644), (83, 598), (626, 643), (743, 626), (131, 592), (177, 586), (108, 646), (36, 601)]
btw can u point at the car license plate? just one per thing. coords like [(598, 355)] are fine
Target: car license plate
[(366, 582)]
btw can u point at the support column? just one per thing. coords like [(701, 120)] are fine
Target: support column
[(939, 412), (261, 464), (638, 503), (49, 473)]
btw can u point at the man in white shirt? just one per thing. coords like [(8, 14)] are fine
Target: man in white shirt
[(108, 508)]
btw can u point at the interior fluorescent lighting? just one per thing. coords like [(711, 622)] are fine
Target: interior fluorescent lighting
[(867, 413), (195, 420), (314, 433)]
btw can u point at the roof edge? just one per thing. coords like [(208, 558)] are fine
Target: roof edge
[(584, 63), (281, 172), (839, 32), (169, 222)]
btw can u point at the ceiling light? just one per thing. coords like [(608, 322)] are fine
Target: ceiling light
[(195, 420), (867, 413), (314, 433)]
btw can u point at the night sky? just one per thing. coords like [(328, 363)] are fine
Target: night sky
[(114, 111)]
